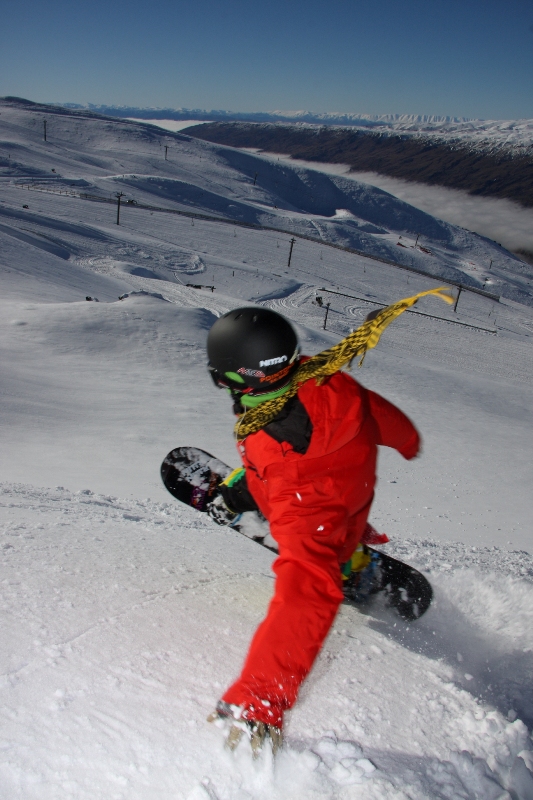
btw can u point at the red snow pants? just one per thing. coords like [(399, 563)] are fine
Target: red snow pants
[(313, 541)]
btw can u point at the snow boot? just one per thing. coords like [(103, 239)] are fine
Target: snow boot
[(361, 575)]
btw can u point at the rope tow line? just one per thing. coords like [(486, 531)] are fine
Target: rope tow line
[(332, 360)]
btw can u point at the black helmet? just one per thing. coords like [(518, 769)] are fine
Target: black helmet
[(252, 348)]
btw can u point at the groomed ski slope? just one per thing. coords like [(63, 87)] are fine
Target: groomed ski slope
[(125, 615)]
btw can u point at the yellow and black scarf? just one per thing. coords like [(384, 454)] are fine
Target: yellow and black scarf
[(330, 361)]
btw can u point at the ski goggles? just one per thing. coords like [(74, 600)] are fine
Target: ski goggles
[(265, 379), (228, 380)]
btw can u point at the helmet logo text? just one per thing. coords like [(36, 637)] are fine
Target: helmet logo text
[(271, 361), (277, 375)]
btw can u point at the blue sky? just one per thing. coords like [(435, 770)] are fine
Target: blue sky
[(470, 58)]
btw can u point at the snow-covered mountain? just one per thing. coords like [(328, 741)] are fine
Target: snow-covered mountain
[(94, 155), (125, 614), (489, 133)]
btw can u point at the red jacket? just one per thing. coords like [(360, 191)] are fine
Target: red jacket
[(317, 503)]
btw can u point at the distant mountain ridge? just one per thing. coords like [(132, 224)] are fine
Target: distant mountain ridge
[(310, 117), (483, 134)]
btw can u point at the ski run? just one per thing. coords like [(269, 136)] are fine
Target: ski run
[(125, 614)]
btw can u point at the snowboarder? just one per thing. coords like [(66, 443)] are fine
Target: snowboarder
[(307, 435)]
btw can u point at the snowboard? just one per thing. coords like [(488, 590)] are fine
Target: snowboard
[(193, 476)]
